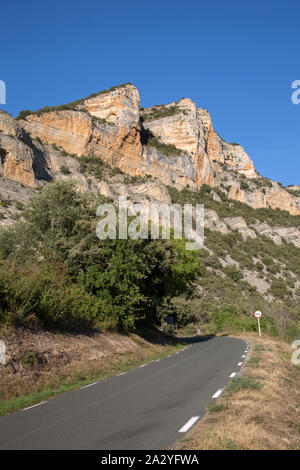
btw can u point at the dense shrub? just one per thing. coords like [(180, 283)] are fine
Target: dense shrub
[(65, 170), (166, 149), (279, 289), (115, 283), (43, 295), (159, 112), (234, 273)]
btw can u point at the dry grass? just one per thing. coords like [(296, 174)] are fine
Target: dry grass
[(263, 416), (42, 364)]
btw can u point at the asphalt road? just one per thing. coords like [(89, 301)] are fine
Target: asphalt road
[(149, 407)]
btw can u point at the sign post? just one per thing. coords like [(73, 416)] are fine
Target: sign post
[(258, 315)]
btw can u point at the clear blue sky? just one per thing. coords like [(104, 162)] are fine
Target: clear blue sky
[(236, 58)]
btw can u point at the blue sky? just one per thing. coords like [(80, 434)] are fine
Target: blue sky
[(238, 59)]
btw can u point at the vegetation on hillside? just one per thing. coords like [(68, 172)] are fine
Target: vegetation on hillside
[(228, 302), (56, 273), (294, 192), (159, 111), (231, 208), (150, 140)]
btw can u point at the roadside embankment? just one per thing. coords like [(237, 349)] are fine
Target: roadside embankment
[(41, 364), (259, 409)]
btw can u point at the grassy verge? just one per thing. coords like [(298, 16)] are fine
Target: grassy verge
[(121, 362), (259, 409)]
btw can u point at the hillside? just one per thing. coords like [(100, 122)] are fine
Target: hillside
[(175, 143), (109, 146)]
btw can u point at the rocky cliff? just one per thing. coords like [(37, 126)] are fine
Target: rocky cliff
[(174, 143)]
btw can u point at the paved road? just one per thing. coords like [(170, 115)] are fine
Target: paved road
[(145, 408)]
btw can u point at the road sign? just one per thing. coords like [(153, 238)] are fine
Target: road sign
[(258, 315)]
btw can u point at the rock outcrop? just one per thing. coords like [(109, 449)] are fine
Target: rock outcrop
[(16, 161), (105, 126), (16, 157), (239, 223), (175, 143)]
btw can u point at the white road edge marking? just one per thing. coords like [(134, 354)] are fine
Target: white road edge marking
[(218, 393), (244, 355), (239, 364), (232, 375), (33, 406), (143, 365), (189, 424), (89, 385), (122, 373)]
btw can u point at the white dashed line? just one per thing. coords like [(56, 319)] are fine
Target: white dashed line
[(244, 355), (232, 375), (33, 406), (189, 424), (239, 364), (218, 393), (89, 385)]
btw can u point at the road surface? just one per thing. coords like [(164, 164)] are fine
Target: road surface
[(149, 407)]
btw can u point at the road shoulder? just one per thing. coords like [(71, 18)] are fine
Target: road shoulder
[(258, 409)]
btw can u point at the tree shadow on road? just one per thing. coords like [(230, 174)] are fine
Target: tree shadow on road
[(194, 339)]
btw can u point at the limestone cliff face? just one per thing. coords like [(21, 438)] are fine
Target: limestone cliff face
[(16, 161), (172, 171), (77, 133), (107, 126), (185, 131), (120, 106), (16, 157), (191, 130), (175, 143), (180, 129), (274, 197), (220, 151), (70, 130)]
